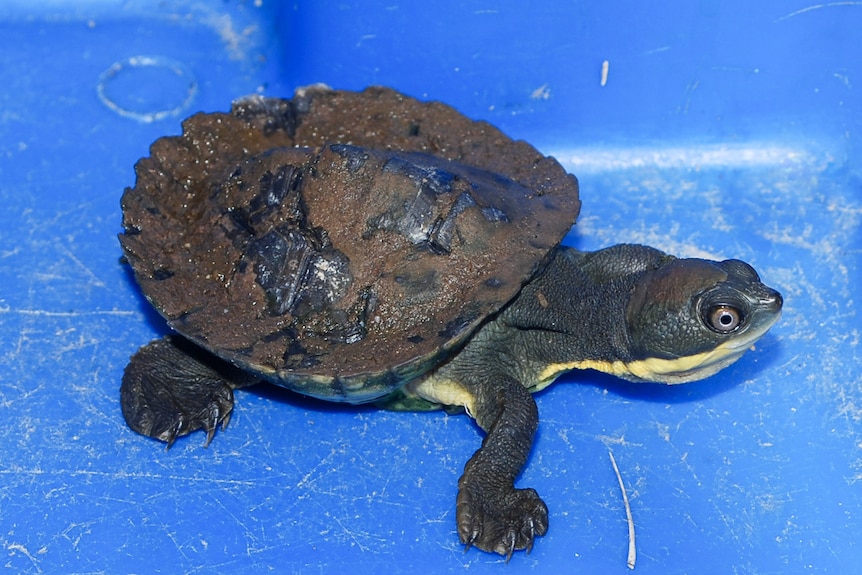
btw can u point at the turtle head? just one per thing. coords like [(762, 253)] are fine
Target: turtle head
[(689, 318)]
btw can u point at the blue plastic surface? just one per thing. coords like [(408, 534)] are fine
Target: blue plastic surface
[(727, 129)]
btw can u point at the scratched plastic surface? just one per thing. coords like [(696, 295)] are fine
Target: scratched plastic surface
[(725, 129)]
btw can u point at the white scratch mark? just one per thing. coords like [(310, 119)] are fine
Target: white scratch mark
[(817, 7), (543, 92), (95, 281), (46, 313), (608, 440), (725, 156), (350, 534), (26, 553), (848, 408), (308, 479), (121, 475), (663, 430), (364, 38), (76, 531), (689, 93), (845, 79), (657, 50)]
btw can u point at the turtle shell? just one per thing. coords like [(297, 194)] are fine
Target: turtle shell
[(340, 243)]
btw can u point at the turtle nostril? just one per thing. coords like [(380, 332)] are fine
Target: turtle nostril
[(774, 300)]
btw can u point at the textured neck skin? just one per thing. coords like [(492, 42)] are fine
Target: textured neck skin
[(573, 313)]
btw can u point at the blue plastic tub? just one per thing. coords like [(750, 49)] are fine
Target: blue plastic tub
[(722, 129)]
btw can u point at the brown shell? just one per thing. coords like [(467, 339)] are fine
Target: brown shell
[(340, 243)]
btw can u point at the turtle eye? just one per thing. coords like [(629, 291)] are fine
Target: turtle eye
[(723, 318)]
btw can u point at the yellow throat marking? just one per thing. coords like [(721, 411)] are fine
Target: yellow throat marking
[(677, 370)]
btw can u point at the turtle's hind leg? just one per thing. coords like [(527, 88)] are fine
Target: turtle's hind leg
[(172, 387)]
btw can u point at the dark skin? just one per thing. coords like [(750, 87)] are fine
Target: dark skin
[(628, 310), (496, 371), (491, 513)]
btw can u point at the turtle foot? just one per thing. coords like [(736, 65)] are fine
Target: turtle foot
[(500, 522), (171, 388)]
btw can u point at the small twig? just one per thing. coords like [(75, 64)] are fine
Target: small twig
[(632, 553)]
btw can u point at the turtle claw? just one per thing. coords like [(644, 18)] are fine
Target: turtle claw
[(501, 523), (215, 417), (171, 435), (511, 544)]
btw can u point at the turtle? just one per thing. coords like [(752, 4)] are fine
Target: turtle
[(369, 247)]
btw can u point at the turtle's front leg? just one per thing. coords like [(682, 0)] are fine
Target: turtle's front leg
[(172, 387), (492, 515)]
